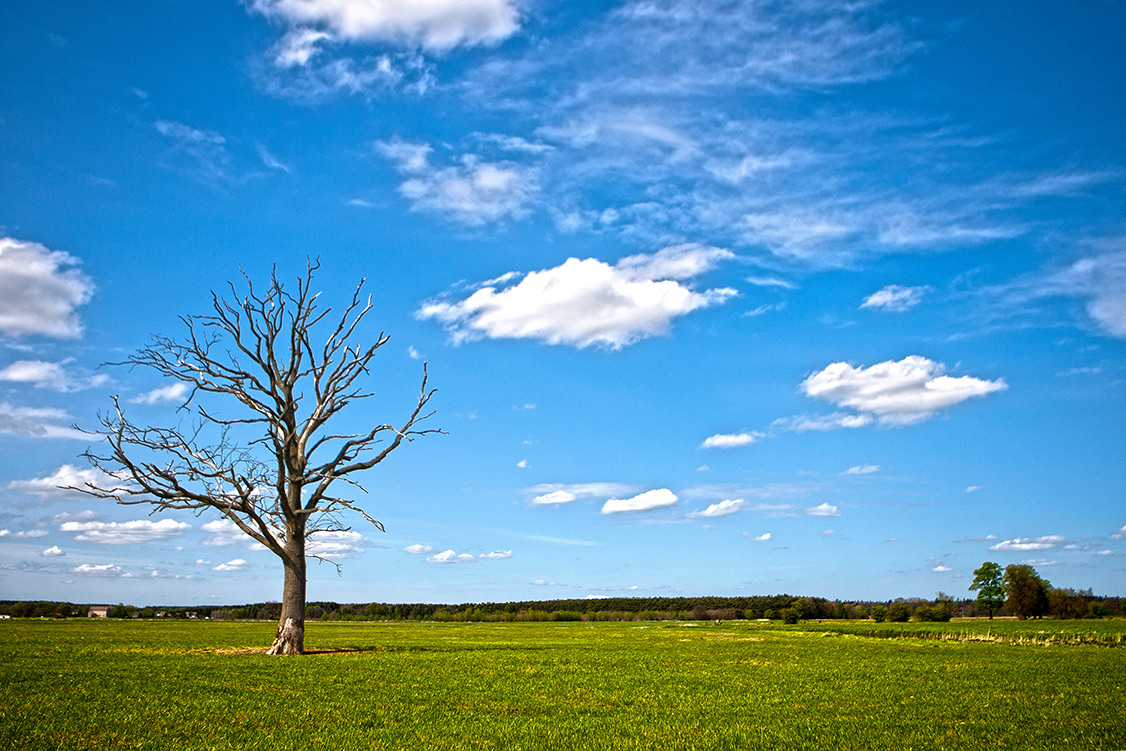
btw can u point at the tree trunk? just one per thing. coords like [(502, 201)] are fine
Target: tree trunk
[(290, 638)]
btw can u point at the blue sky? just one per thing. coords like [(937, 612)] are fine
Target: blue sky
[(719, 298)]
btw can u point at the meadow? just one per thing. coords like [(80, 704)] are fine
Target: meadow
[(692, 685)]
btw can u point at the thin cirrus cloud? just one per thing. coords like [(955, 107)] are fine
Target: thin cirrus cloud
[(906, 392), (584, 303), (647, 501), (53, 376), (436, 25), (895, 298), (173, 393), (452, 556), (474, 192), (40, 291)]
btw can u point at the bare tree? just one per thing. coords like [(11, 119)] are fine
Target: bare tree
[(271, 465)]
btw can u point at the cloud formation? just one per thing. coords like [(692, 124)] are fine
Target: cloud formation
[(895, 298), (125, 533), (647, 501), (1018, 544), (237, 564), (723, 508), (173, 393), (473, 191), (896, 393), (729, 440), (586, 302), (40, 290), (436, 25), (36, 422), (48, 375)]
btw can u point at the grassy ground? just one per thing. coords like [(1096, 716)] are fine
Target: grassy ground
[(70, 684)]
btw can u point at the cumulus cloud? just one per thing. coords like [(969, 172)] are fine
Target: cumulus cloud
[(895, 298), (941, 569), (125, 533), (237, 564), (723, 508), (450, 556), (555, 494), (65, 477), (24, 535), (496, 555), (436, 25), (48, 375), (338, 543), (862, 469), (40, 289), (824, 509), (647, 501), (103, 569), (36, 422), (222, 532), (53, 552), (764, 537), (1019, 544), (729, 440), (173, 393), (586, 302), (834, 421), (473, 191), (418, 549), (896, 393)]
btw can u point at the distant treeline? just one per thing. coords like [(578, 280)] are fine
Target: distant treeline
[(1063, 603)]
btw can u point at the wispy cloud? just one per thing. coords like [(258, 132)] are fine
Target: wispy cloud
[(895, 298), (125, 533), (53, 376), (647, 501), (730, 440)]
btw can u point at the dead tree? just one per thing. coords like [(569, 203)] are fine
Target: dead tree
[(265, 458)]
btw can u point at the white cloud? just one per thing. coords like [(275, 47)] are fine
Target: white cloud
[(895, 298), (554, 497), (333, 544), (298, 47), (450, 556), (1018, 544), (237, 564), (496, 555), (24, 535), (36, 422), (723, 508), (473, 192), (418, 549), (66, 476), (896, 393), (1101, 279), (834, 421), (825, 509), (40, 290), (53, 552), (223, 532), (435, 25), (125, 533), (972, 488), (48, 375), (586, 302), (171, 394), (862, 469), (764, 537), (941, 569), (104, 569), (647, 501), (729, 440)]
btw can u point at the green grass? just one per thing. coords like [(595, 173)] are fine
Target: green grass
[(81, 684)]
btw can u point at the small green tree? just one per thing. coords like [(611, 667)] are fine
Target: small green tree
[(878, 612), (898, 612), (990, 590), (1027, 592)]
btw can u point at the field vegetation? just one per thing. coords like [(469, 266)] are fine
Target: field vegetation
[(80, 683)]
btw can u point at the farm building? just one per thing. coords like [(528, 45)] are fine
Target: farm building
[(98, 611)]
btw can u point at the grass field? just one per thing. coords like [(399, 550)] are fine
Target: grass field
[(195, 685)]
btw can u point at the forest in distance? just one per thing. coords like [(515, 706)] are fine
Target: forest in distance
[(1062, 604)]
